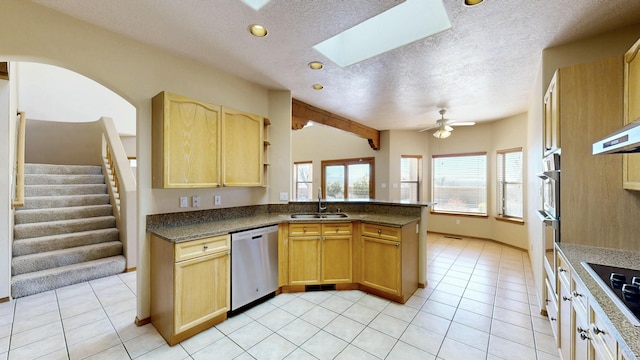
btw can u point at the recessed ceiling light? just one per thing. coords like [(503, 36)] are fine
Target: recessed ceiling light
[(258, 30), (403, 24), (317, 87), (472, 2), (316, 65)]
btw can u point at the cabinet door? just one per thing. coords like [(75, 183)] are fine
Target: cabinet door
[(381, 264), (242, 148), (336, 259), (565, 321), (186, 142), (631, 162), (304, 260), (201, 290), (551, 114)]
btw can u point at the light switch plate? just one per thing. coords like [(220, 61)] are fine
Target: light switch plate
[(195, 200), (217, 200), (184, 201)]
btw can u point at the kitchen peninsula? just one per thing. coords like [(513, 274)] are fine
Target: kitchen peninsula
[(375, 246)]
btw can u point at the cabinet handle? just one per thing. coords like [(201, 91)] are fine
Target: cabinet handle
[(397, 244), (319, 238), (304, 229), (206, 247), (597, 331), (576, 294), (564, 298), (379, 231), (560, 269), (583, 333), (336, 229), (553, 319)]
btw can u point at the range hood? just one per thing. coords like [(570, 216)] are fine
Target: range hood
[(623, 141)]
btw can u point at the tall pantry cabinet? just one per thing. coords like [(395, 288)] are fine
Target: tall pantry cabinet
[(631, 162)]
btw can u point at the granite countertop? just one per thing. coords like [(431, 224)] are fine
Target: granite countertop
[(213, 228), (628, 336)]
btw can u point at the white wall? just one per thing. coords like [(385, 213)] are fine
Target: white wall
[(6, 186), (53, 93)]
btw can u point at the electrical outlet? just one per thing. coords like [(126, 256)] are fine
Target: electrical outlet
[(284, 196), (457, 221), (184, 201), (195, 201), (217, 200)]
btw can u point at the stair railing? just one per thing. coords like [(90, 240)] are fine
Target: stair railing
[(18, 200), (122, 188)]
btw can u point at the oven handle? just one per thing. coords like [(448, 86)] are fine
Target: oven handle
[(553, 174), (548, 220)]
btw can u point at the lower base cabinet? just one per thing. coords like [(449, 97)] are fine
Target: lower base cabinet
[(189, 286)]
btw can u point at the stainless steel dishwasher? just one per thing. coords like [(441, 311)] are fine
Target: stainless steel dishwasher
[(254, 265)]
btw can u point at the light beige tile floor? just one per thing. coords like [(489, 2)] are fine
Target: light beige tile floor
[(479, 304)]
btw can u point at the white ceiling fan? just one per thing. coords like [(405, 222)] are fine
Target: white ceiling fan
[(443, 126)]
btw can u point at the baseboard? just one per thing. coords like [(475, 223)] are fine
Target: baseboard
[(5, 299), (142, 322), (130, 269), (477, 238)]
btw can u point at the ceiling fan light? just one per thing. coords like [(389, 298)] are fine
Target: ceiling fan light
[(472, 2), (441, 133), (258, 30), (448, 128)]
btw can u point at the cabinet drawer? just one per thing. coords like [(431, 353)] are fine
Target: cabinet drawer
[(304, 229), (552, 309), (381, 232), (579, 295), (602, 337), (192, 249), (337, 229), (564, 271)]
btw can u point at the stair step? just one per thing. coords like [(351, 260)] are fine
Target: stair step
[(59, 190), (62, 169), (28, 216), (51, 179), (36, 202), (57, 258), (37, 282), (23, 231), (63, 241)]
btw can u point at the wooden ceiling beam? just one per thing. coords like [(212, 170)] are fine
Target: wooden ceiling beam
[(302, 112)]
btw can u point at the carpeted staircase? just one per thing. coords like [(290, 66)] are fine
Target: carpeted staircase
[(66, 232)]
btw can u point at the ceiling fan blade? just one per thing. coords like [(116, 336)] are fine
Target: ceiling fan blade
[(429, 128), (462, 123)]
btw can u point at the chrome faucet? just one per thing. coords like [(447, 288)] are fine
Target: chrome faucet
[(320, 207)]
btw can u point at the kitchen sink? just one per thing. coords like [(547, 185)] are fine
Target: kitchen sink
[(320, 216)]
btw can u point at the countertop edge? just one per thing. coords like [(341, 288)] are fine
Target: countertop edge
[(184, 233)]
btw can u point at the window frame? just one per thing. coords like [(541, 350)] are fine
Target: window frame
[(434, 209), (500, 201), (418, 181), (345, 163), (295, 178)]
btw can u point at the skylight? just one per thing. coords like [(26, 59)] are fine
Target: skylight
[(256, 4), (403, 24)]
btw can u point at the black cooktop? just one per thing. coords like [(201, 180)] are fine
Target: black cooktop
[(622, 285)]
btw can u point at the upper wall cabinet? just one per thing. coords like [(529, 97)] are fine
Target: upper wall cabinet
[(185, 142), (201, 145), (631, 162), (551, 136), (242, 148)]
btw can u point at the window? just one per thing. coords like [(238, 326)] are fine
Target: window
[(460, 183), (348, 179), (509, 176), (410, 177), (303, 178)]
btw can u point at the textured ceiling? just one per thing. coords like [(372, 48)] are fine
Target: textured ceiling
[(481, 69)]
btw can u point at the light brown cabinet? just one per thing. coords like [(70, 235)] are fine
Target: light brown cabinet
[(320, 253), (190, 285), (631, 162), (185, 142), (242, 148), (200, 145), (389, 260), (551, 125)]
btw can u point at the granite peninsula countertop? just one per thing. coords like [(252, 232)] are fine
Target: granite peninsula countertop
[(188, 232), (628, 336)]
